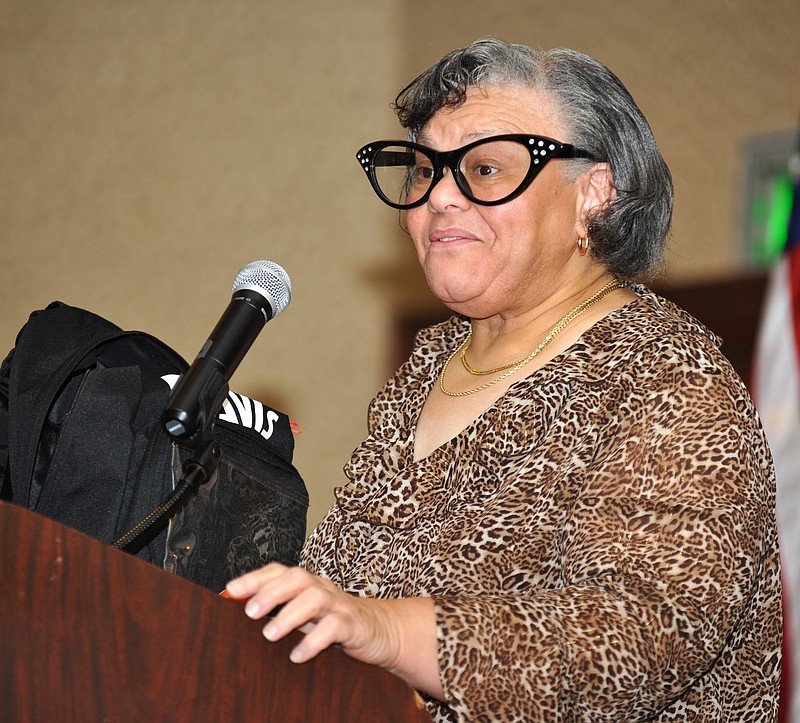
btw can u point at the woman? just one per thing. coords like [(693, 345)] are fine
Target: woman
[(564, 509)]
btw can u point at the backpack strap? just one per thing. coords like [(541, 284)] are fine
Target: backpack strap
[(56, 345), (5, 474)]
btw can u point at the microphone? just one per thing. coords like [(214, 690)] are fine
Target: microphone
[(261, 291)]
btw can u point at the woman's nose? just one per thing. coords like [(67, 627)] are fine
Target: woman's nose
[(446, 193)]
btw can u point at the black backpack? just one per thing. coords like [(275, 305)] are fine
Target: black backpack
[(81, 442)]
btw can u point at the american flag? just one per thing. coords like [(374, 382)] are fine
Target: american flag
[(776, 390)]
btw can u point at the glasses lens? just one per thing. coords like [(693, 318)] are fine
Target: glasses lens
[(403, 174), (495, 169)]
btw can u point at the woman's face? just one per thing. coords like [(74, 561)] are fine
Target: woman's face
[(483, 261)]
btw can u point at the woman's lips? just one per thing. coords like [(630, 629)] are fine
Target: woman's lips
[(450, 236)]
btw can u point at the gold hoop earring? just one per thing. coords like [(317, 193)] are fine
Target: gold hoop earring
[(583, 245)]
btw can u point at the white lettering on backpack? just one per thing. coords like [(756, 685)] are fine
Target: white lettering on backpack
[(241, 410)]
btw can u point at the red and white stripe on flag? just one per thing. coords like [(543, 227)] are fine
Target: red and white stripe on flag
[(776, 390)]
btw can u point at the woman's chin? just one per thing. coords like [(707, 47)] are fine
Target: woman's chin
[(450, 296), (460, 287), (474, 307)]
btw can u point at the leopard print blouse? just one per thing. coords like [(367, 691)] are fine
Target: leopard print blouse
[(600, 544)]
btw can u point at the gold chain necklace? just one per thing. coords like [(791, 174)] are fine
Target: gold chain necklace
[(481, 372), (509, 369)]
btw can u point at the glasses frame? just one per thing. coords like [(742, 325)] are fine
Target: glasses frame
[(542, 150)]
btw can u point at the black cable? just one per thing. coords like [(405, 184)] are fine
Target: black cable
[(198, 469)]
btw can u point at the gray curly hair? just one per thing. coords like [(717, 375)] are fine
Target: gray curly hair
[(628, 236)]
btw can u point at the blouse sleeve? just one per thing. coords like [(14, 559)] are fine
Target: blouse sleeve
[(661, 556)]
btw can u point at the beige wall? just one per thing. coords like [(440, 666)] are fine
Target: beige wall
[(151, 149)]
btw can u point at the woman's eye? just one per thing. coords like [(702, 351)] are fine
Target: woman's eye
[(483, 169)]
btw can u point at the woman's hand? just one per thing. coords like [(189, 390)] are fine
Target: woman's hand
[(319, 609), (398, 635)]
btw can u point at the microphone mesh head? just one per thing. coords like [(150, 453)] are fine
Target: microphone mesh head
[(268, 279)]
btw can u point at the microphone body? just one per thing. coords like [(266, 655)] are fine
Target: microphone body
[(261, 291)]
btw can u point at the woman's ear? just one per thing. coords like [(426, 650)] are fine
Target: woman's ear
[(597, 191)]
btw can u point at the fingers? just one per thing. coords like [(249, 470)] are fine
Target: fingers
[(307, 601), (321, 636), (247, 585), (299, 601), (304, 598), (265, 589)]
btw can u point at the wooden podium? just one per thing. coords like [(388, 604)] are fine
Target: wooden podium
[(89, 633)]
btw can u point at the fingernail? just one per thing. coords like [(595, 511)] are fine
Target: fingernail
[(297, 656), (252, 609), (271, 631)]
